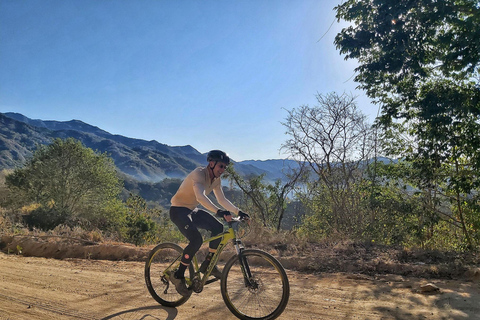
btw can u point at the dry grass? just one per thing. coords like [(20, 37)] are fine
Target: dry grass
[(327, 257)]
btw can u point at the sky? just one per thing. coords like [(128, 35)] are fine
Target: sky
[(207, 73)]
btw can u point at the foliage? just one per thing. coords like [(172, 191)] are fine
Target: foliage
[(72, 185), (139, 222), (67, 184), (147, 225), (399, 214), (402, 44), (420, 61)]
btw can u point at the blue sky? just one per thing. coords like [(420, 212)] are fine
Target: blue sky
[(211, 74)]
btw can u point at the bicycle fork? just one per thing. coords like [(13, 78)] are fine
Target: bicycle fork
[(247, 274)]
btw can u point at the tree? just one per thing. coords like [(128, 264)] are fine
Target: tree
[(402, 45), (71, 183), (269, 202), (335, 139), (139, 223), (419, 59)]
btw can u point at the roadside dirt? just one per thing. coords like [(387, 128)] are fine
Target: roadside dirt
[(51, 289)]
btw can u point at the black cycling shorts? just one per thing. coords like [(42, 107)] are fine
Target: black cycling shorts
[(188, 222)]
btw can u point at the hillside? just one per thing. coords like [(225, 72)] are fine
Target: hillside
[(142, 160)]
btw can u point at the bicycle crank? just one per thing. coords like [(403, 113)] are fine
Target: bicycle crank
[(197, 285)]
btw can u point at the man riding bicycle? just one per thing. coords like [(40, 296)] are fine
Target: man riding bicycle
[(188, 218)]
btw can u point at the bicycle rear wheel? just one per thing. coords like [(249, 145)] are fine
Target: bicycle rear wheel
[(165, 256), (264, 294)]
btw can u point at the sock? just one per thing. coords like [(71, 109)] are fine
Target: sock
[(180, 273)]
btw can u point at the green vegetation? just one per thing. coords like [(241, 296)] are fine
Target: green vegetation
[(146, 225), (67, 184), (70, 184), (419, 60), (350, 193)]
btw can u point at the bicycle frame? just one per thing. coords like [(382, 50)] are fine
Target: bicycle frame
[(226, 236)]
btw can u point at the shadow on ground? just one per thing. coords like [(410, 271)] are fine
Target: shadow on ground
[(150, 312)]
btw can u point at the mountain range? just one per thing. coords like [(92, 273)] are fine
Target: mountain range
[(142, 160)]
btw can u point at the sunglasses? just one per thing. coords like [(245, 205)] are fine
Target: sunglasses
[(222, 166)]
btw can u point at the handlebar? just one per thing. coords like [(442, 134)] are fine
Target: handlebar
[(236, 222)]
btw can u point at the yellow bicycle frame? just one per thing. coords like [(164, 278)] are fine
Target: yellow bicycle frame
[(226, 237)]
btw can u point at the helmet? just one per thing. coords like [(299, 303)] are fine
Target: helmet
[(218, 155)]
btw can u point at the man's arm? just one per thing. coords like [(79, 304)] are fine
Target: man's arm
[(199, 190), (224, 202)]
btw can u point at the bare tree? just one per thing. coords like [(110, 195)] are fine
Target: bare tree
[(335, 139), (269, 201)]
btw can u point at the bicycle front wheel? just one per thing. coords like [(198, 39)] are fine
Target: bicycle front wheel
[(254, 285), (164, 257)]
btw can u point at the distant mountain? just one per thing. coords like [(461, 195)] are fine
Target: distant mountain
[(18, 140), (276, 167), (141, 160)]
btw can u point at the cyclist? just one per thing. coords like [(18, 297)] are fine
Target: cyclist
[(188, 218)]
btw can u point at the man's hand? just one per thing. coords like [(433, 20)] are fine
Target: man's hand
[(243, 215), (225, 215)]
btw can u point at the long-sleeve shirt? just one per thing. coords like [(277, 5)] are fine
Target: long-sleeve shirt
[(195, 188)]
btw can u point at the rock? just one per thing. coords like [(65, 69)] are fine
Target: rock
[(280, 246), (473, 274), (429, 288)]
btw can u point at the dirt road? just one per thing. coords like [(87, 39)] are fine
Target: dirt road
[(39, 288)]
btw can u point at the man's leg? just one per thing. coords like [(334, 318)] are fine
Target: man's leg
[(182, 219), (208, 222)]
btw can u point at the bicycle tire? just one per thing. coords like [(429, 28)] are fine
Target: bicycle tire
[(162, 290), (268, 295)]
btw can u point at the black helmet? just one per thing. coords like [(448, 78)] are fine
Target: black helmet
[(218, 155)]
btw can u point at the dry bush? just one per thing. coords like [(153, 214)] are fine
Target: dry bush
[(95, 236), (335, 254), (4, 221), (277, 243), (10, 225)]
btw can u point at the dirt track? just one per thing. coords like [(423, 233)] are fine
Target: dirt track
[(39, 288)]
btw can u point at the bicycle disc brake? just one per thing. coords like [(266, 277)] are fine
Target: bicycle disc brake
[(255, 285)]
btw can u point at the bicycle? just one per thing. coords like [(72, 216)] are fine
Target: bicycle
[(254, 285)]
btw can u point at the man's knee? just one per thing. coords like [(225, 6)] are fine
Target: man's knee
[(217, 229), (196, 242)]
